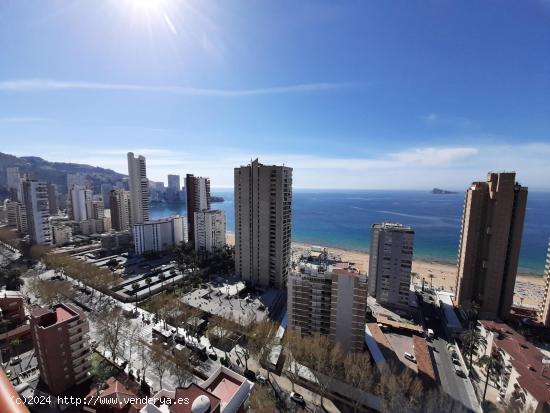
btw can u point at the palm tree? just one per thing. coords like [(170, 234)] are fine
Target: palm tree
[(148, 281), (135, 288), (431, 281), (471, 310), (493, 366), (472, 339)]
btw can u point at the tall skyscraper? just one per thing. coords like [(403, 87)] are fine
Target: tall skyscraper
[(80, 203), (35, 196), (139, 189), (492, 227), (120, 209), (209, 230), (13, 180), (52, 198), (198, 199), (544, 309), (263, 209), (61, 345), (327, 297), (105, 192), (174, 182), (390, 263)]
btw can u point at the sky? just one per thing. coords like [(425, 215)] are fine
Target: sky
[(355, 94)]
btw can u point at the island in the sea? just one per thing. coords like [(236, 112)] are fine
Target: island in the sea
[(217, 199), (442, 191)]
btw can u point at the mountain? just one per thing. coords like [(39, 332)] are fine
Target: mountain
[(439, 191), (56, 172)]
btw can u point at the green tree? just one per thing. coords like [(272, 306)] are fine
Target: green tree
[(472, 340), (493, 367)]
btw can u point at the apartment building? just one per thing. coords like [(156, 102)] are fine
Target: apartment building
[(390, 263), (80, 203), (139, 189), (544, 308), (490, 241), (13, 181), (159, 235), (35, 196), (523, 382), (263, 214), (210, 229), (327, 297), (61, 346), (53, 199), (198, 199), (120, 209)]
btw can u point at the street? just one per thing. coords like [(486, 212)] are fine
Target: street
[(459, 388)]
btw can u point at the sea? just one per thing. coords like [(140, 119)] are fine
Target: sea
[(343, 218)]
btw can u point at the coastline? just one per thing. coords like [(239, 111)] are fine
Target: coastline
[(439, 273)]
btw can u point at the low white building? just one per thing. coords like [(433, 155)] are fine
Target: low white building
[(159, 235), (209, 230)]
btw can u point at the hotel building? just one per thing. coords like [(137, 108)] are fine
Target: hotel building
[(35, 196), (263, 210), (209, 230), (198, 199), (159, 235), (490, 241), (61, 346), (139, 189), (329, 298), (390, 263)]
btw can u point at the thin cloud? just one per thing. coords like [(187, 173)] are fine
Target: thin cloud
[(37, 85), (23, 119)]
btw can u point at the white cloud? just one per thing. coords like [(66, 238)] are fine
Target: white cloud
[(415, 168), (35, 85)]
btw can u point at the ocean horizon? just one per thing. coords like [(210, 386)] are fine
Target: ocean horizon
[(343, 219)]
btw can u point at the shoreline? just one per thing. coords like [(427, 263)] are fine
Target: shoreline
[(439, 273)]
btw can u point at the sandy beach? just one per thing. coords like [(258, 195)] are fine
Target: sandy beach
[(529, 289)]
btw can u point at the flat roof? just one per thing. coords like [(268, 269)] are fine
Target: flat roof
[(423, 358), (446, 304), (224, 387)]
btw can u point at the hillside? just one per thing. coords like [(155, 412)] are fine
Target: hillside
[(56, 172)]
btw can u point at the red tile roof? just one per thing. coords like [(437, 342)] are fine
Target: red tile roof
[(534, 376), (423, 358)]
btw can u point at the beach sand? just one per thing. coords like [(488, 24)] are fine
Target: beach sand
[(528, 292)]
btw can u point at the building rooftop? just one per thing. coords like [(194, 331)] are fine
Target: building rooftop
[(529, 361), (393, 226), (59, 314)]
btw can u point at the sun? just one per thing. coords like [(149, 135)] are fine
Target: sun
[(148, 6)]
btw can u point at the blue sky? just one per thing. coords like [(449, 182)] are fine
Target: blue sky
[(366, 94)]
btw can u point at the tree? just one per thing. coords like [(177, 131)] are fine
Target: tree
[(400, 392), (219, 332), (144, 354), (159, 361), (110, 324), (262, 400), (493, 367), (132, 336), (472, 340), (358, 373), (148, 281), (260, 339), (296, 355), (181, 368), (325, 358)]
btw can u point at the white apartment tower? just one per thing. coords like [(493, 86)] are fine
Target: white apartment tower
[(391, 254), (139, 189), (263, 209), (209, 230), (35, 196), (81, 203)]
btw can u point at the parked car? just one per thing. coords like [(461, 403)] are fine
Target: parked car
[(8, 374), (261, 379), (459, 371), (15, 360), (409, 357), (298, 398)]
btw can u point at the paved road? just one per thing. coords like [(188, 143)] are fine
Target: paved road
[(459, 388)]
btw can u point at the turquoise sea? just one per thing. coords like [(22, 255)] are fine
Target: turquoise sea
[(342, 218)]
